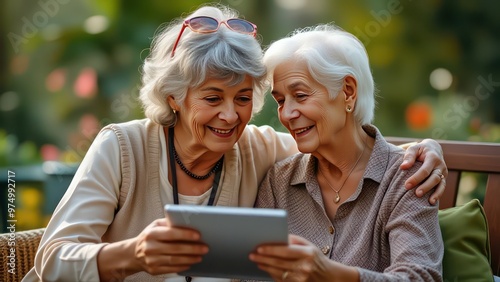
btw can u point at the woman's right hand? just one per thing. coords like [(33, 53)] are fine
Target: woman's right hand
[(161, 248), (300, 261)]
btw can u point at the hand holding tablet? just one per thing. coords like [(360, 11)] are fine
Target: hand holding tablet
[(231, 234)]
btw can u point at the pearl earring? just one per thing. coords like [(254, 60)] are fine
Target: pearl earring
[(348, 109)]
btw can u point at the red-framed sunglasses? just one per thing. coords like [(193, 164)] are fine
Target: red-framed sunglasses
[(206, 24)]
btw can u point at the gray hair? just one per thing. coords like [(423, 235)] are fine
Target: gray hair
[(224, 54), (331, 54)]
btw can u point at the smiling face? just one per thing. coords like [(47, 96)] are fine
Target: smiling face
[(305, 108), (214, 115)]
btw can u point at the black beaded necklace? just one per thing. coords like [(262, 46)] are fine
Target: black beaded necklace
[(173, 155), (192, 175)]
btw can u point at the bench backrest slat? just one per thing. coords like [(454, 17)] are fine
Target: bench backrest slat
[(492, 207)]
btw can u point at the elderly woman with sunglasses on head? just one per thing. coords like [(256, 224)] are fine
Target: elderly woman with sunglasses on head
[(202, 82), (349, 216)]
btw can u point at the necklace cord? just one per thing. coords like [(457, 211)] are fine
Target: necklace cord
[(171, 153), (172, 165), (337, 196)]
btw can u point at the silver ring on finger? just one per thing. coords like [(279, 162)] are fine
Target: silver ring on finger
[(439, 173)]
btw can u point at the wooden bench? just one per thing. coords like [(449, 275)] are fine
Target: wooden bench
[(484, 158)]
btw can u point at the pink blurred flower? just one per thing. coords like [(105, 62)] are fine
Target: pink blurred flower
[(86, 83), (19, 64), (49, 152), (55, 80), (89, 126)]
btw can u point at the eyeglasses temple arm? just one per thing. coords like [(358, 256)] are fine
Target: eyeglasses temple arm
[(178, 38)]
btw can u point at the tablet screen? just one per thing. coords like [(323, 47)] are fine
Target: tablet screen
[(231, 234)]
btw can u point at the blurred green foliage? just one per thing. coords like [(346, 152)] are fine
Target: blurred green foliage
[(13, 153), (69, 67)]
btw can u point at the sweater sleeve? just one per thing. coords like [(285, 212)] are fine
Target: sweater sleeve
[(69, 247)]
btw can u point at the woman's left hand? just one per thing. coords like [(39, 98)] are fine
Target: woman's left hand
[(433, 171), (301, 260)]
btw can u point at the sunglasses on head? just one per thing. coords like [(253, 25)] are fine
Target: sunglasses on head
[(205, 24)]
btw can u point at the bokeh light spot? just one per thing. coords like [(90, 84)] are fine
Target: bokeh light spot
[(55, 80), (9, 101), (96, 24), (49, 152), (291, 4), (441, 79), (86, 83), (419, 116), (89, 126), (19, 64)]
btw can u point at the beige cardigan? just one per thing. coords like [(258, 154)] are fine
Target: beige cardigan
[(91, 214)]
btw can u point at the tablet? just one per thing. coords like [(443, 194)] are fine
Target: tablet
[(231, 234)]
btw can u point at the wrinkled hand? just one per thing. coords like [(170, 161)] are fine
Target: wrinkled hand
[(161, 249), (433, 171), (299, 261)]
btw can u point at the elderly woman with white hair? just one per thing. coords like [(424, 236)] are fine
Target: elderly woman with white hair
[(202, 82), (350, 218)]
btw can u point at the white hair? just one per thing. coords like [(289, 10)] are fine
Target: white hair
[(330, 54), (223, 54)]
